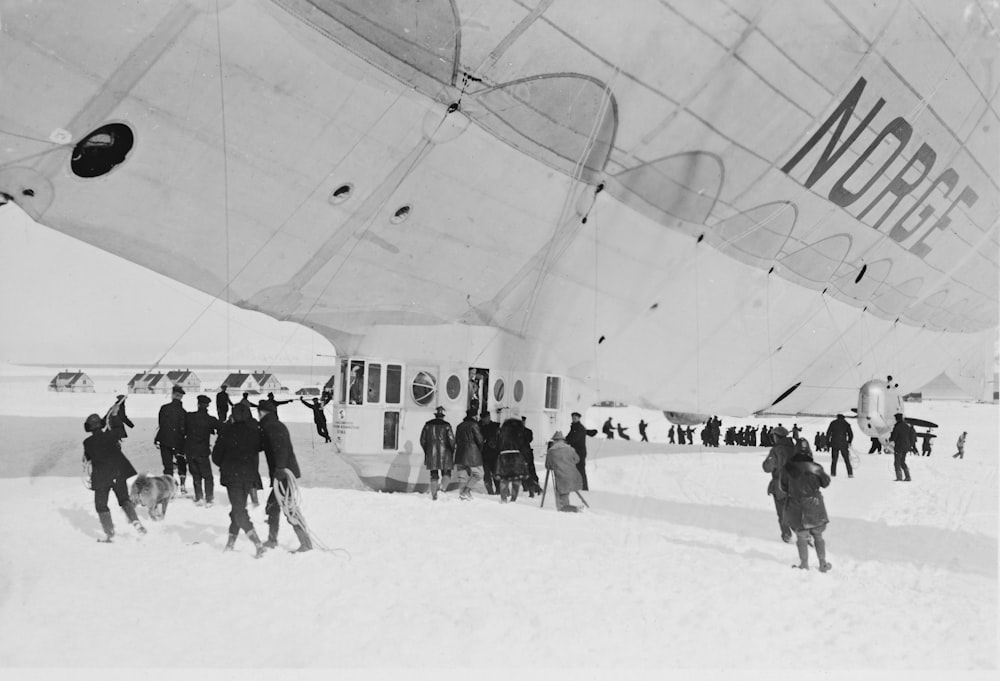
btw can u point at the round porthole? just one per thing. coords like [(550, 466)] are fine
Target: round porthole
[(518, 390), (498, 388), (423, 387), (401, 214), (453, 387), (341, 193), (100, 151)]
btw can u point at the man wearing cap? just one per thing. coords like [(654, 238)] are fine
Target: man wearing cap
[(170, 436), (199, 427), (777, 457), (562, 460), (438, 442), (490, 430), (222, 403), (281, 463), (109, 472), (839, 438), (319, 417), (468, 453), (118, 419), (902, 442), (577, 439)]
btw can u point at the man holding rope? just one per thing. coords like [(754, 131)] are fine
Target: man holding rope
[(283, 468)]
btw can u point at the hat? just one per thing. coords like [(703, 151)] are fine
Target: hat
[(840, 416), (470, 412), (780, 431), (241, 412), (204, 399), (178, 390), (439, 411), (576, 414), (92, 423), (119, 397), (558, 435)]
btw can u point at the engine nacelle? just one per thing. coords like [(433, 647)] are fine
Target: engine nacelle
[(878, 404)]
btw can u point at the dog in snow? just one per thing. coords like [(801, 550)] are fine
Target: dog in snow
[(154, 492)]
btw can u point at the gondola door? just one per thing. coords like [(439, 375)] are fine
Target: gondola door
[(478, 390)]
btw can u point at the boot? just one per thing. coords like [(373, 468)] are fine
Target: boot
[(230, 543), (183, 488), (272, 533), (252, 536), (305, 543), (514, 489), (434, 489), (138, 526), (107, 525), (445, 481)]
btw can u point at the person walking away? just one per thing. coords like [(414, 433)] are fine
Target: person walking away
[(110, 470), (512, 466), (490, 430), (925, 447), (438, 442), (876, 447), (319, 417), (275, 402), (840, 436), (237, 454), (118, 419), (780, 453), (960, 454), (642, 430), (170, 437), (805, 512), (281, 464), (670, 435), (199, 426), (468, 453), (901, 445), (531, 483), (562, 460), (222, 404), (577, 439)]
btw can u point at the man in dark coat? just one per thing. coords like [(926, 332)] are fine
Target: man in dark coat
[(118, 419), (531, 483), (109, 472), (438, 442), (319, 417), (468, 453), (670, 435), (901, 445), (275, 403), (222, 404), (577, 439), (281, 463), (608, 429), (642, 430), (490, 429), (839, 437), (199, 426), (777, 457), (805, 513), (237, 454), (170, 436)]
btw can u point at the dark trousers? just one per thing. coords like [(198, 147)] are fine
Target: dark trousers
[(168, 455), (489, 468), (899, 463), (582, 467), (322, 431), (779, 507), (121, 494), (201, 472), (239, 519), (841, 450), (223, 412)]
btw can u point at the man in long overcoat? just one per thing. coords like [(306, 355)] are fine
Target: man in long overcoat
[(438, 442), (839, 438), (199, 427), (170, 436), (237, 454), (469, 453), (562, 460), (577, 439), (901, 438)]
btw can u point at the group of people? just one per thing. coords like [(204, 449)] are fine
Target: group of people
[(223, 404), (500, 455), (184, 439)]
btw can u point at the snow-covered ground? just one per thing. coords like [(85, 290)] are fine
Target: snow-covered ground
[(677, 565)]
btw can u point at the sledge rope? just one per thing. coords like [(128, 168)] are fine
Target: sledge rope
[(290, 501)]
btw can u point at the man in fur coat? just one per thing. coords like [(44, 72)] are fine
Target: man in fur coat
[(562, 459)]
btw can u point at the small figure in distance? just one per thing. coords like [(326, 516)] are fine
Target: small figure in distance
[(642, 430), (223, 404), (608, 429), (960, 454), (621, 431)]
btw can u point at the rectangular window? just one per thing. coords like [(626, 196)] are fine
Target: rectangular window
[(390, 430), (374, 383), (553, 397), (355, 393), (393, 383), (344, 367)]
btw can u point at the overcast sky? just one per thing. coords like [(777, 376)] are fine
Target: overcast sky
[(65, 302)]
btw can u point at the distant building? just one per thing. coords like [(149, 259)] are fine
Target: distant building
[(159, 383), (71, 382), (268, 382), (312, 392), (185, 379), (241, 383), (145, 383)]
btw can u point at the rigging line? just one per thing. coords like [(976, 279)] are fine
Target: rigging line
[(30, 138), (697, 325), (225, 176)]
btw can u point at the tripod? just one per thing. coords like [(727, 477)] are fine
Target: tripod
[(546, 489)]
